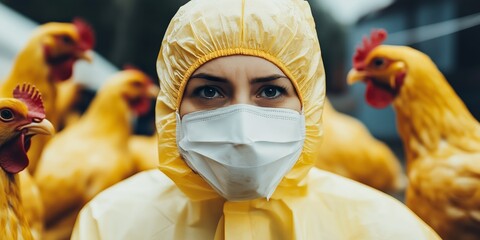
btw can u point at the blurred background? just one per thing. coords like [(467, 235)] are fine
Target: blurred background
[(130, 32)]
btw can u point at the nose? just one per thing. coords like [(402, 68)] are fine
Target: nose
[(242, 96)]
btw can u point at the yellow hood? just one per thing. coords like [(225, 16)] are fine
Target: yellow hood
[(197, 34)]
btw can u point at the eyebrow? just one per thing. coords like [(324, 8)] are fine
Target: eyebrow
[(255, 80), (268, 78), (209, 77)]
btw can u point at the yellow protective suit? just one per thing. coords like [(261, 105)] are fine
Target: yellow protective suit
[(176, 203)]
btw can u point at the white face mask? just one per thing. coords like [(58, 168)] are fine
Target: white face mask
[(242, 151)]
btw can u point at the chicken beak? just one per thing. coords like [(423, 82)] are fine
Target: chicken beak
[(44, 127), (87, 56), (153, 90), (355, 76)]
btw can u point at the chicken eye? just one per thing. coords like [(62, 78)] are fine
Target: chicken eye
[(378, 62), (67, 39), (137, 84), (6, 115)]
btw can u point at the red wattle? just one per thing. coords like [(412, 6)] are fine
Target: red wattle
[(63, 71), (142, 107), (13, 156), (378, 97)]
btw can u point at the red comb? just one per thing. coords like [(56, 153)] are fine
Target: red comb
[(376, 38), (130, 67), (29, 95), (85, 31)]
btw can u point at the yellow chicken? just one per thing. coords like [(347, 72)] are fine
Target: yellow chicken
[(351, 151), (48, 58), (440, 136), (21, 118), (92, 154)]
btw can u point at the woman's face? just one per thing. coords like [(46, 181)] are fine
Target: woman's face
[(238, 79)]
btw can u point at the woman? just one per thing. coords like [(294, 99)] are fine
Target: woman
[(239, 119)]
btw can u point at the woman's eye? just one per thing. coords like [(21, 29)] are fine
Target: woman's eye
[(271, 92), (209, 92)]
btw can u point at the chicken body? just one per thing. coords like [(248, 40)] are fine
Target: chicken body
[(351, 151), (440, 136), (18, 124), (144, 151), (91, 154)]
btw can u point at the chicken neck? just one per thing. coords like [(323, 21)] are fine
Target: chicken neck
[(430, 115), (108, 117), (12, 219)]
